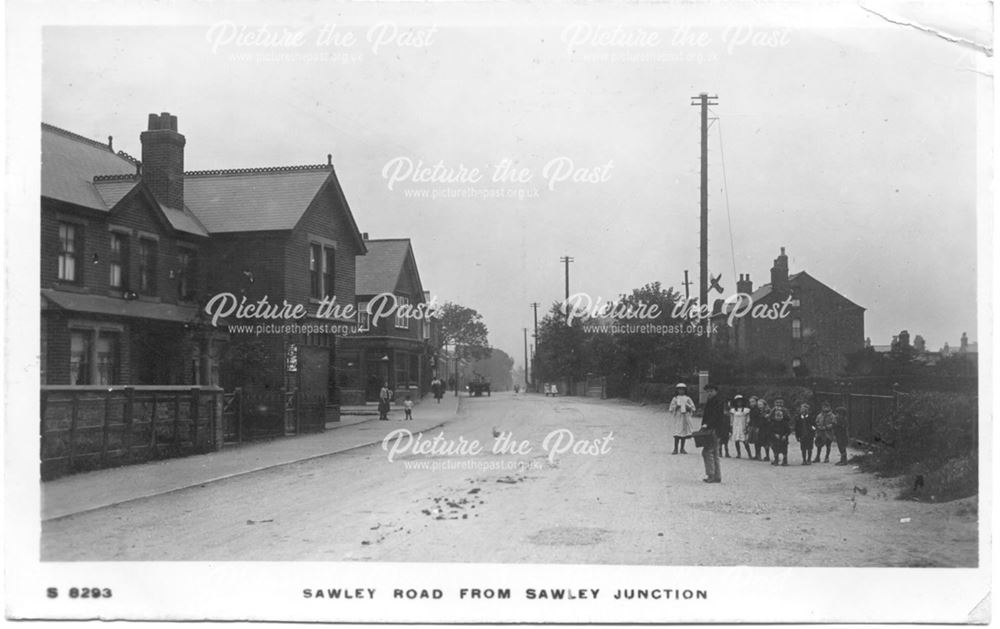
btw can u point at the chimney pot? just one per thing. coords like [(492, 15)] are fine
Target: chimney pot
[(154, 122), (111, 143)]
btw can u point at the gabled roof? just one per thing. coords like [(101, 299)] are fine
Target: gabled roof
[(794, 279), (116, 188), (253, 199), (380, 269), (70, 162)]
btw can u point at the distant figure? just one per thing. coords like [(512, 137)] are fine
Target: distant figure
[(779, 427), (681, 407), (760, 433), (805, 433), (437, 388), (825, 422), (840, 433), (740, 414), (408, 408), (384, 400), (517, 389), (714, 420)]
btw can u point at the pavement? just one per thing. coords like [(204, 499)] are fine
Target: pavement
[(80, 493)]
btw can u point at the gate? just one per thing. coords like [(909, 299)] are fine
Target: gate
[(254, 415)]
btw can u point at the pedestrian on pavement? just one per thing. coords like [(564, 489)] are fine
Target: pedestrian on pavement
[(779, 427), (805, 432), (384, 398), (408, 408), (840, 433), (740, 418), (759, 431), (681, 407), (437, 388), (825, 421), (714, 420)]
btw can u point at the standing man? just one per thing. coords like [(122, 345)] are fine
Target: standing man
[(384, 399), (713, 419)]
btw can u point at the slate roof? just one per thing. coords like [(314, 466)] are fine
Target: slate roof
[(69, 163), (253, 199), (378, 271), (764, 291)]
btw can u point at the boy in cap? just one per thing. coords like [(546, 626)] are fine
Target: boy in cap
[(825, 421), (805, 433)]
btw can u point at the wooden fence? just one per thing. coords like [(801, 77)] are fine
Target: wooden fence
[(92, 427), (254, 415)]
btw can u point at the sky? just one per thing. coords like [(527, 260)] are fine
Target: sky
[(849, 141)]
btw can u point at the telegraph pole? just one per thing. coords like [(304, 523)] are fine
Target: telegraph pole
[(566, 260), (534, 306), (703, 100), (525, 357), (687, 287)]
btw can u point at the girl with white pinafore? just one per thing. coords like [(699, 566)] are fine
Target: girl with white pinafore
[(681, 407), (740, 414)]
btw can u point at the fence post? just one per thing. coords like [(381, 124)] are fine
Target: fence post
[(297, 401), (129, 410), (238, 399), (107, 424), (73, 418), (193, 414), (177, 418), (152, 428)]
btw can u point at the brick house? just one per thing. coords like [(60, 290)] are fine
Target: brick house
[(396, 350), (132, 250), (121, 267), (822, 325)]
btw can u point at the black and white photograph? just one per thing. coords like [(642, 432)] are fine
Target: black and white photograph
[(656, 312)]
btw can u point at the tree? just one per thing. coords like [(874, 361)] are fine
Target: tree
[(463, 329), (495, 368)]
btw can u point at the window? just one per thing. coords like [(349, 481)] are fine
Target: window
[(402, 370), (118, 267), (364, 320), (796, 363), (402, 321), (315, 276), (187, 278), (147, 266), (107, 358), (70, 252), (79, 356), (328, 265), (796, 329)]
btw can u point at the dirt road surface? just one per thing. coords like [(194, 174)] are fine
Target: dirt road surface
[(635, 503)]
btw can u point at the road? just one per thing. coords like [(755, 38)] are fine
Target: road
[(633, 503)]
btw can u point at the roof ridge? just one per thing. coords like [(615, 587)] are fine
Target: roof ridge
[(261, 170), (388, 240), (77, 136), (118, 177)]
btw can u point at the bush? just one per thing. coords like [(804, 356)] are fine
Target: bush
[(932, 435)]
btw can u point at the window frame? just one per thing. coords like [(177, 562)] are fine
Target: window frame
[(315, 270), (76, 255), (119, 259), (796, 329), (329, 267), (401, 300), (187, 277), (148, 265), (364, 319)]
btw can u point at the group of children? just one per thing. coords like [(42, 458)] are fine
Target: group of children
[(761, 428)]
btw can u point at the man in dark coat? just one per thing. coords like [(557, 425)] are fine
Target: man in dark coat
[(713, 419)]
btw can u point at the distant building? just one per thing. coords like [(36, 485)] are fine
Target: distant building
[(821, 328), (397, 350)]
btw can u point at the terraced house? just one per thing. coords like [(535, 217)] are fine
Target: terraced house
[(132, 250)]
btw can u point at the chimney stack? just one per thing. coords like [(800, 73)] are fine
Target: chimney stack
[(163, 160), (779, 273), (744, 285)]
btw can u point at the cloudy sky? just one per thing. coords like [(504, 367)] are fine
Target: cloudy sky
[(850, 141)]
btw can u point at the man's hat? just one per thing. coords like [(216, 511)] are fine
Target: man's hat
[(737, 397)]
